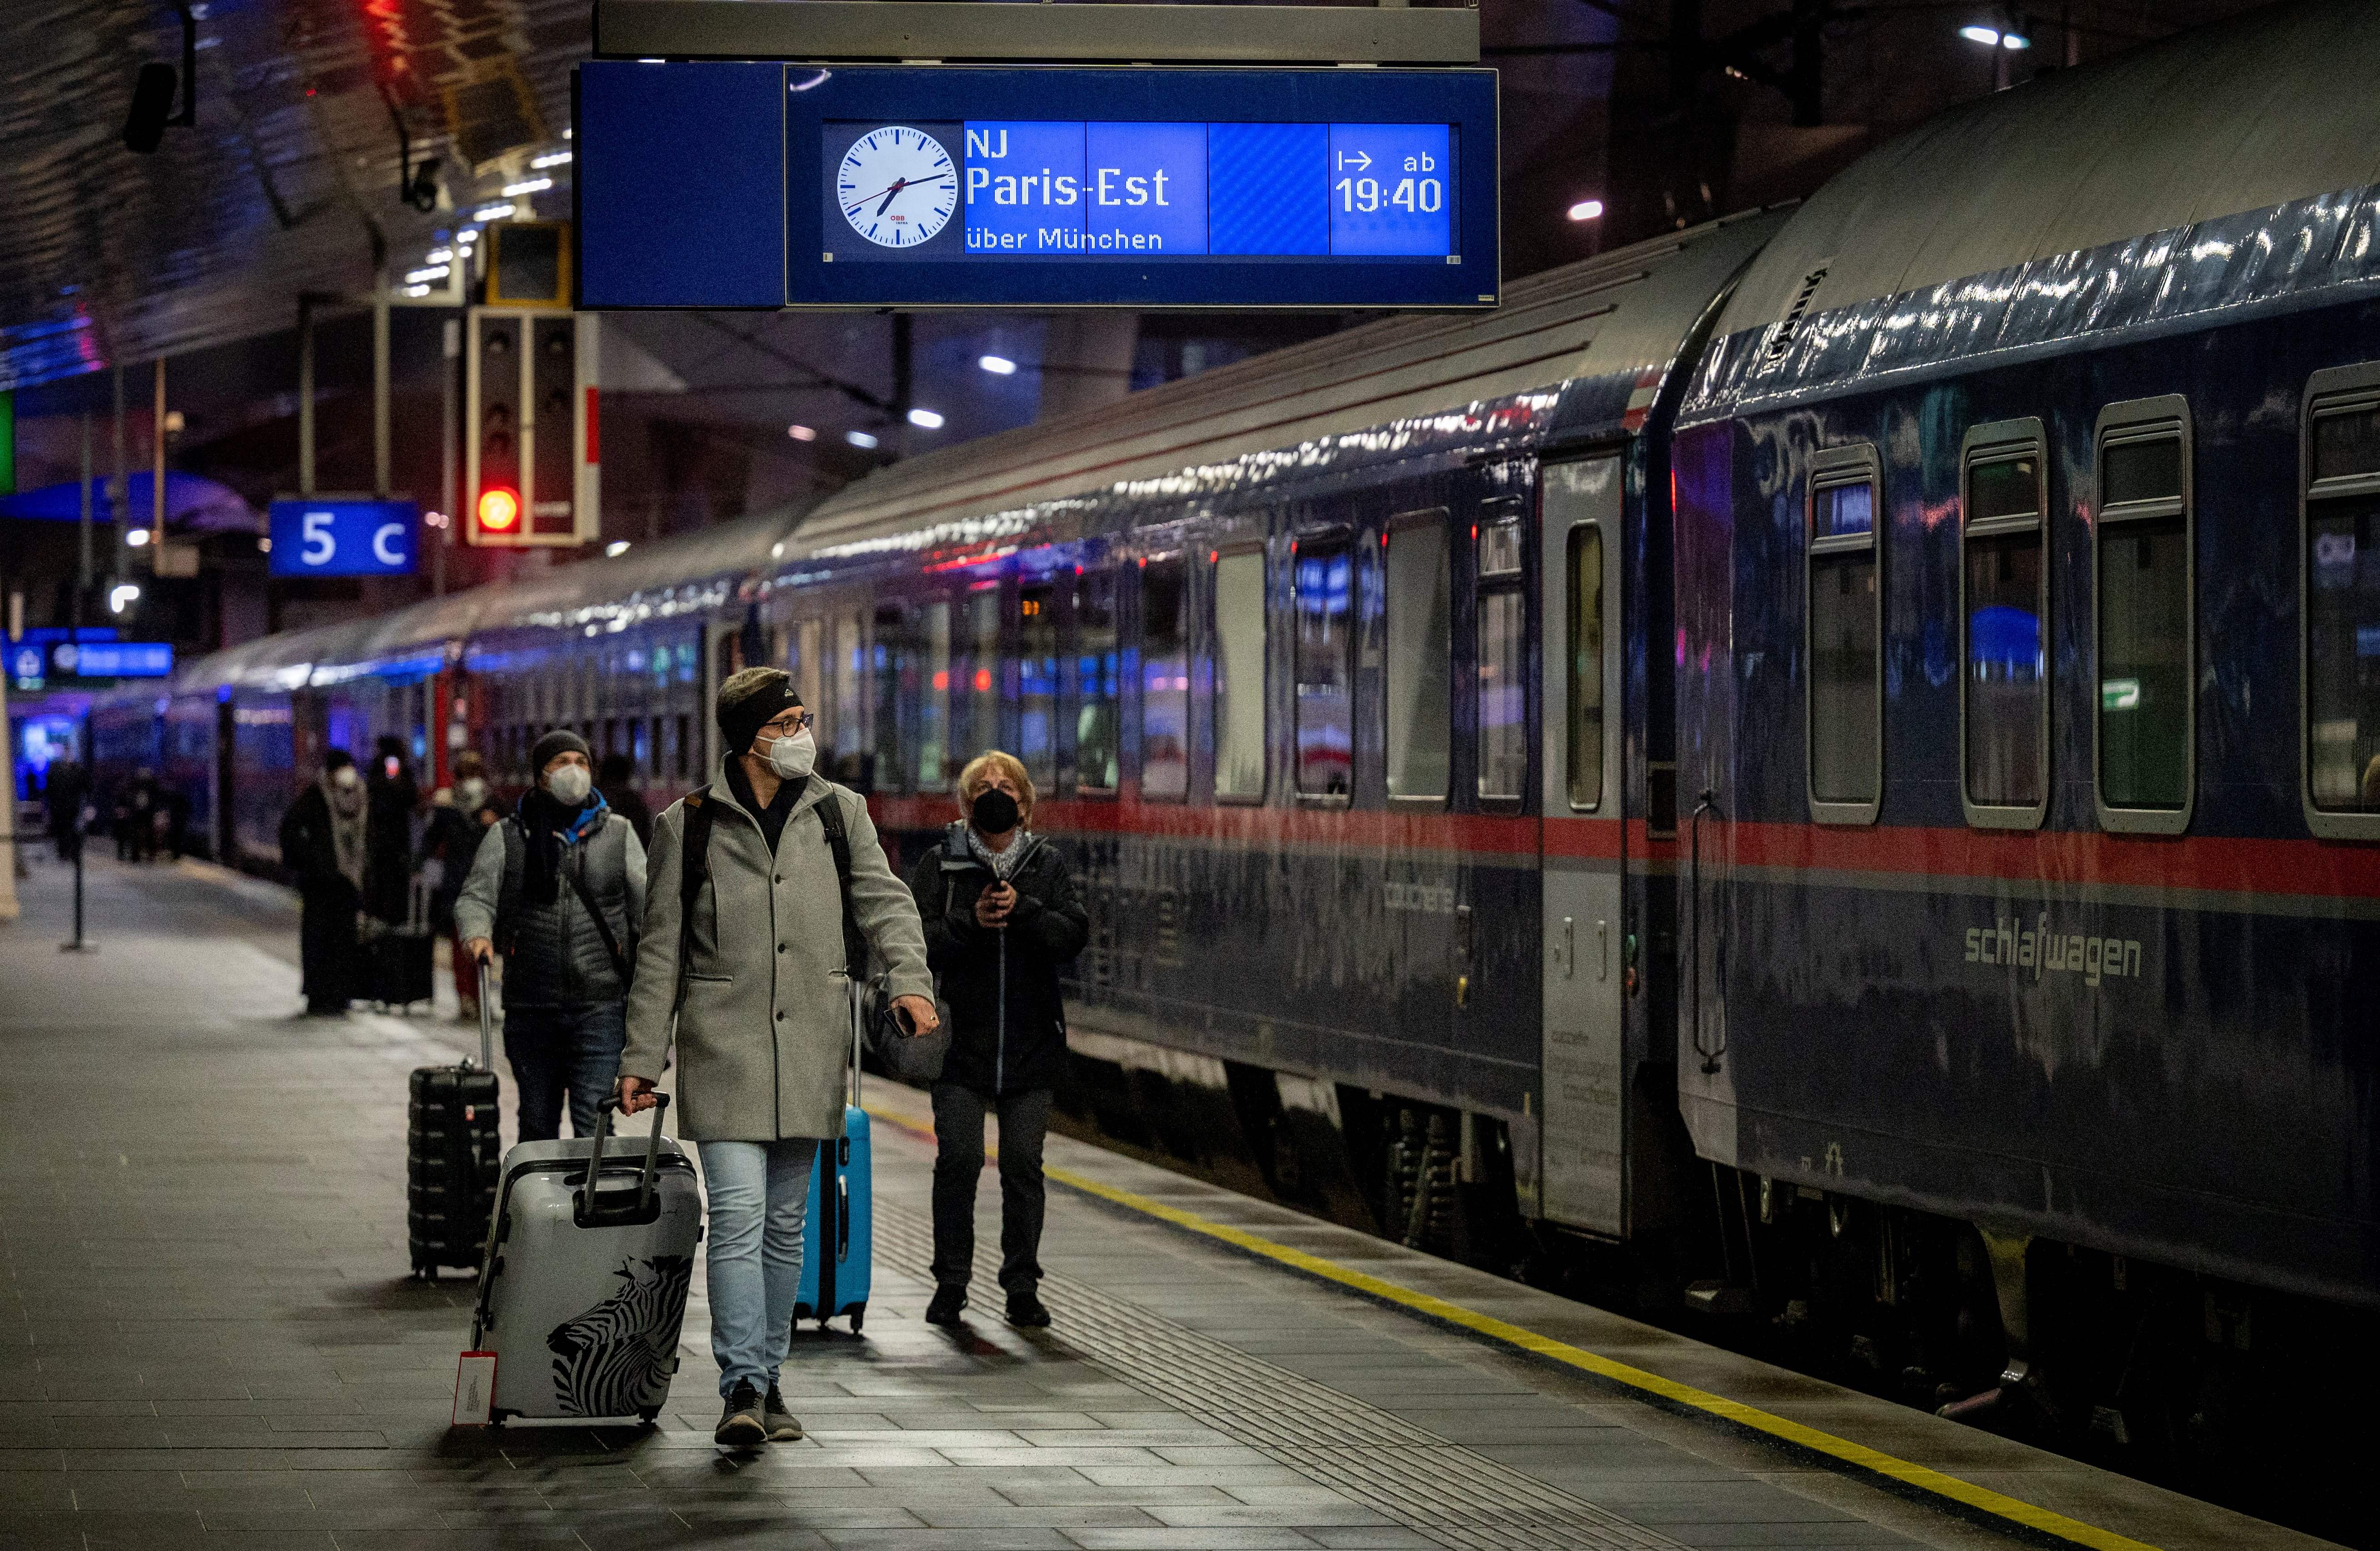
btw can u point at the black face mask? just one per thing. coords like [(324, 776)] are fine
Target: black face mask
[(994, 812)]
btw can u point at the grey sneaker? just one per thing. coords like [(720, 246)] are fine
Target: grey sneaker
[(741, 1427), (784, 1425)]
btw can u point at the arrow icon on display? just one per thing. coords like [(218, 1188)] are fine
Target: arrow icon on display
[(1362, 160)]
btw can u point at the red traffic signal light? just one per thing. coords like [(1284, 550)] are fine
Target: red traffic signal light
[(499, 509)]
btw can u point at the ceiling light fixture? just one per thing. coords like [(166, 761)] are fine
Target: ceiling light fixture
[(616, 547), (859, 438), (550, 159), (801, 433), (1992, 37), (1586, 209), (999, 366), (493, 212), (527, 186), (925, 420)]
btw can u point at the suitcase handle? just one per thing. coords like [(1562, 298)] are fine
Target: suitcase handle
[(487, 1023), (589, 1210)]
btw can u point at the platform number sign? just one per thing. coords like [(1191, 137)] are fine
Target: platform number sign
[(344, 536)]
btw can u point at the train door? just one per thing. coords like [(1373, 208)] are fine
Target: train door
[(1582, 1139), (723, 655)]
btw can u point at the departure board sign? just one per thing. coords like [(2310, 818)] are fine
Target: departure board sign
[(731, 185)]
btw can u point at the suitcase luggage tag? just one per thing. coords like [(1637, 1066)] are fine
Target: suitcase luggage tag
[(475, 1388)]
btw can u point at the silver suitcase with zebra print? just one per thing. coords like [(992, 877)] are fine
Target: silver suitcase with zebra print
[(584, 1289)]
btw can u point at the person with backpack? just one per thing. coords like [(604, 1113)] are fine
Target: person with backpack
[(558, 890), (745, 962), (1003, 921)]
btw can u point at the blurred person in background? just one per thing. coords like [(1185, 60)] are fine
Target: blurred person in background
[(460, 817), (617, 782), (391, 797), (322, 843)]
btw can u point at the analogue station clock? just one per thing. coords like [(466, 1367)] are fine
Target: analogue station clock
[(897, 186)]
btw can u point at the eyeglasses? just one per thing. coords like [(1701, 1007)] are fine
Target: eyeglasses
[(790, 725)]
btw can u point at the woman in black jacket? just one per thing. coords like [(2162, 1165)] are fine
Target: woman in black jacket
[(1002, 919)]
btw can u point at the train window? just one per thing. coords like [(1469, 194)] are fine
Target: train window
[(1500, 546), (2004, 609), (889, 659), (682, 747), (1036, 682), (1164, 679), (1584, 574), (849, 732), (641, 730), (934, 700), (1844, 619), (983, 669), (1240, 676), (1501, 638), (1325, 669), (2341, 603), (809, 665), (1420, 606), (1098, 764), (2143, 572)]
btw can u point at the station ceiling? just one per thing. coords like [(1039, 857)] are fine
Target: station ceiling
[(290, 179)]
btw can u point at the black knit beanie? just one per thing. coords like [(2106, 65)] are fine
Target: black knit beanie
[(562, 740)]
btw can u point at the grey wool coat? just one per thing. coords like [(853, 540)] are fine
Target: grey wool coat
[(763, 1032)]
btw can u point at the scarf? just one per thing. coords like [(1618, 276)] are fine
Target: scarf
[(546, 827), (346, 809), (1002, 863)]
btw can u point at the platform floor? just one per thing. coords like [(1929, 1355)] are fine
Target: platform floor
[(207, 1339)]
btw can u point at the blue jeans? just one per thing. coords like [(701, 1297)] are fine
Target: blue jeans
[(759, 1194), (561, 1052)]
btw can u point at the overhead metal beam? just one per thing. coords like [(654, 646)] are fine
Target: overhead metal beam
[(952, 30)]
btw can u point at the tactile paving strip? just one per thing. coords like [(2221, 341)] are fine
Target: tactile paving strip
[(1458, 1497)]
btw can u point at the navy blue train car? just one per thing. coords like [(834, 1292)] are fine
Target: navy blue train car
[(2028, 581), (1332, 668)]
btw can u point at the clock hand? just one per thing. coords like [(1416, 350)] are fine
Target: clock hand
[(856, 205)]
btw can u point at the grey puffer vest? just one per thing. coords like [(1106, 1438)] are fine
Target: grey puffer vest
[(558, 958)]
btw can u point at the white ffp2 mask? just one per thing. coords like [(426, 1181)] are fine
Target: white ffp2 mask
[(570, 784), (793, 758)]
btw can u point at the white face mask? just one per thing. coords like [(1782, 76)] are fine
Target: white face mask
[(570, 784), (793, 758), (345, 779), (470, 792)]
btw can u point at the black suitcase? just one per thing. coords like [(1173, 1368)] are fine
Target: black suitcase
[(452, 1155), (398, 963)]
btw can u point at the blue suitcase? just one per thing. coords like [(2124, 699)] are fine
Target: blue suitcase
[(838, 1236)]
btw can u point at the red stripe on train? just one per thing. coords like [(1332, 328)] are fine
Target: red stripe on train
[(2218, 864), (2212, 864)]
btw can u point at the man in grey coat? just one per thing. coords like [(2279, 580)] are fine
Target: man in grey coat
[(558, 889), (753, 986)]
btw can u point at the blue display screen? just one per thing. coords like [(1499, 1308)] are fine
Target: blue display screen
[(1035, 189), (114, 659), (953, 186)]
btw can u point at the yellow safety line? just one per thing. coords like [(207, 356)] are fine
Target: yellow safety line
[(1966, 1492)]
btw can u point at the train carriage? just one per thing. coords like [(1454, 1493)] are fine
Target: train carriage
[(1273, 642), (2023, 595)]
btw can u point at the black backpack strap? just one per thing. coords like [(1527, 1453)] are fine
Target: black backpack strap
[(692, 866), (855, 944), (619, 966)]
